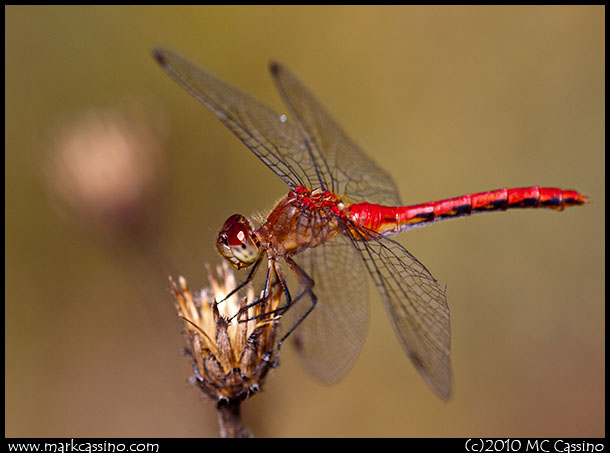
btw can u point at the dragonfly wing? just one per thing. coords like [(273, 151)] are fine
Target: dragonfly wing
[(342, 167), (417, 307), (331, 337), (276, 142)]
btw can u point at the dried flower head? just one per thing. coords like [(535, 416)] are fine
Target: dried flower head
[(231, 354)]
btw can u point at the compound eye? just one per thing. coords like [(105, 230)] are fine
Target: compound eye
[(237, 235), (237, 242)]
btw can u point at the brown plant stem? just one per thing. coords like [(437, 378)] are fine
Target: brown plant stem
[(229, 420)]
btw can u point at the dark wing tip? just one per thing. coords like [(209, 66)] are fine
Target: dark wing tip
[(444, 393), (274, 67), (442, 388), (160, 55)]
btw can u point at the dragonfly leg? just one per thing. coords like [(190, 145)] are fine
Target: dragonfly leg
[(244, 283), (289, 300), (259, 299), (279, 310), (307, 283)]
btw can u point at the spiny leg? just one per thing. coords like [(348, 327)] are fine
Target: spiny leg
[(307, 283), (262, 297), (304, 280), (279, 310), (273, 268), (244, 283)]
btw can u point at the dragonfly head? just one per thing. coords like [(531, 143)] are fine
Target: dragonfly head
[(238, 243)]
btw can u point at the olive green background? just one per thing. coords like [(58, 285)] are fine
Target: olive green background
[(450, 100)]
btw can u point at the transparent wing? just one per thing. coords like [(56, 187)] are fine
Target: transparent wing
[(342, 167), (317, 153), (416, 305), (331, 337), (277, 143)]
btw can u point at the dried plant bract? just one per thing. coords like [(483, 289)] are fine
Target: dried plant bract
[(231, 347)]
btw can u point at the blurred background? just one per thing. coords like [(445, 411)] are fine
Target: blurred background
[(116, 178)]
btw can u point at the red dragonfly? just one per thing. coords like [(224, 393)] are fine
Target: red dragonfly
[(335, 222)]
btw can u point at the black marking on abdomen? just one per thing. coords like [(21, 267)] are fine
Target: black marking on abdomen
[(526, 203), (457, 211), (556, 201)]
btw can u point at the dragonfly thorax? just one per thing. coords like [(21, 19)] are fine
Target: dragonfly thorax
[(302, 219)]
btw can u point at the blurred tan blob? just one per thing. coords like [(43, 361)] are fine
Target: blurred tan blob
[(106, 167)]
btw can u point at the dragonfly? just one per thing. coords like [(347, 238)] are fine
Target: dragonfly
[(334, 226)]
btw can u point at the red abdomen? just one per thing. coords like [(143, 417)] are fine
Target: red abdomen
[(391, 220)]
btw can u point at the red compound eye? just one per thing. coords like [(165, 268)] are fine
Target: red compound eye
[(236, 235), (237, 242)]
